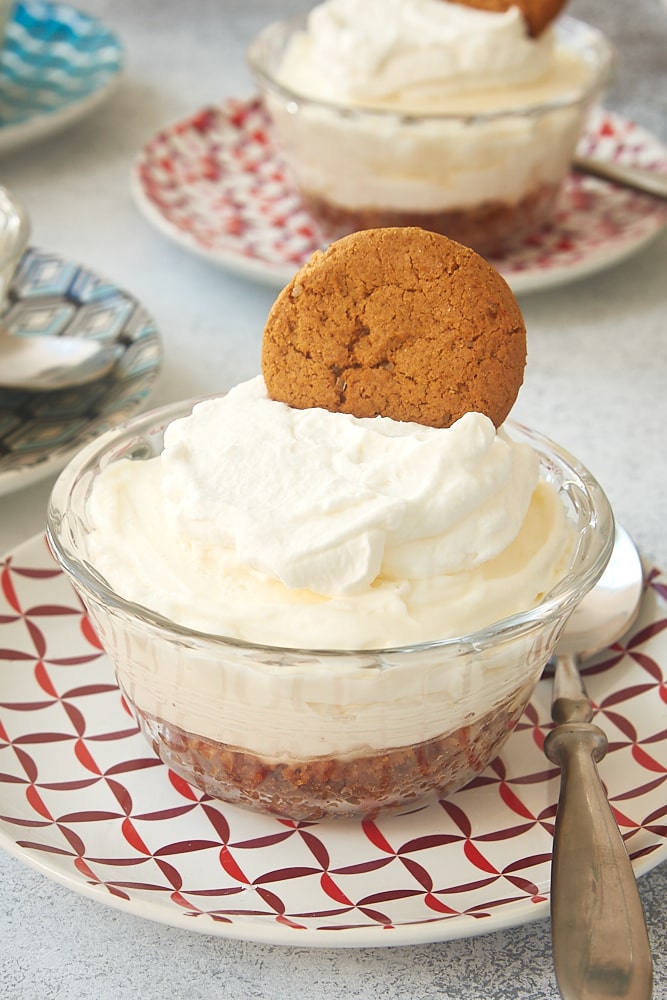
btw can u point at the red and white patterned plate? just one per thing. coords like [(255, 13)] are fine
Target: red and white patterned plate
[(214, 184), (84, 801)]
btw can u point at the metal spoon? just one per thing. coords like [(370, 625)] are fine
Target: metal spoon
[(600, 942), (42, 364), (640, 178), (35, 362)]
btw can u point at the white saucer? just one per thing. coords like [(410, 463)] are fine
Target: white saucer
[(214, 184), (85, 802), (40, 431), (57, 64)]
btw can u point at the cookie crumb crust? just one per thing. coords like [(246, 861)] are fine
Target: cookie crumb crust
[(333, 787)]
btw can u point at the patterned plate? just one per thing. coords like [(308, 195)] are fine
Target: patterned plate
[(84, 801), (214, 184), (39, 431), (57, 64)]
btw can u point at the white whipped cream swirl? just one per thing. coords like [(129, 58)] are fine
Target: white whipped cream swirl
[(310, 528), (352, 52), (329, 502)]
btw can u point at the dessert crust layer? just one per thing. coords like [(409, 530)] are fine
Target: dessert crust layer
[(333, 787), (491, 228)]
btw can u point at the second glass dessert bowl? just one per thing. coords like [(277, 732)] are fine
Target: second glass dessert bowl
[(487, 179), (310, 734)]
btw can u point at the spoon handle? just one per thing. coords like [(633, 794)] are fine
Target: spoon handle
[(641, 178), (600, 941)]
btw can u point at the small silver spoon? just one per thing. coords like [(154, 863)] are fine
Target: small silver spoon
[(600, 942), (34, 362), (45, 363), (640, 178)]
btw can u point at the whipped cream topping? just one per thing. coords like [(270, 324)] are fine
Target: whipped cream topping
[(413, 53), (310, 528)]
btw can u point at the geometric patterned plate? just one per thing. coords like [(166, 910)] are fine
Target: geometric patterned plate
[(39, 431), (214, 184), (84, 801), (56, 65)]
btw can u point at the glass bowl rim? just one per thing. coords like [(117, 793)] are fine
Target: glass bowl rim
[(565, 25), (561, 599), (14, 227)]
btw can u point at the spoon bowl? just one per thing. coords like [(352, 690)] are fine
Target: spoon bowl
[(47, 363), (34, 362), (609, 609)]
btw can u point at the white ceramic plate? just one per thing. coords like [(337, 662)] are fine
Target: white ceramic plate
[(52, 296), (56, 65), (84, 801), (214, 184)]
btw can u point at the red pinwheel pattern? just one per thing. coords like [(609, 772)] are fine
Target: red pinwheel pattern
[(83, 797), (214, 183)]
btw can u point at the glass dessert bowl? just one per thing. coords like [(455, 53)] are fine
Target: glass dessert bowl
[(321, 733), (483, 169), (14, 235)]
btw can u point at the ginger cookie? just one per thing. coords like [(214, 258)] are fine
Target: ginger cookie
[(537, 13), (398, 322)]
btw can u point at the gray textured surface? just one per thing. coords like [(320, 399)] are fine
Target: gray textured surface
[(595, 381)]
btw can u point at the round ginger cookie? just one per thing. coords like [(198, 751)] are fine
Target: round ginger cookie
[(398, 322), (536, 13)]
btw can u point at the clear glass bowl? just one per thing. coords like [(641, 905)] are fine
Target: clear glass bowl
[(486, 180), (311, 733), (14, 235)]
